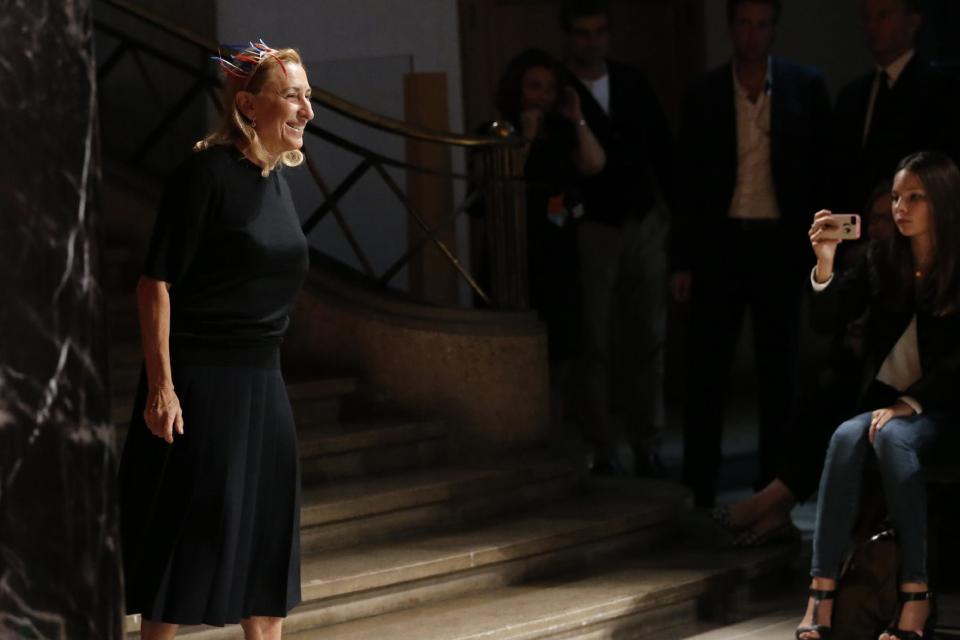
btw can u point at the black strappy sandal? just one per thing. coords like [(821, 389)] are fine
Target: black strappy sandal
[(824, 631), (913, 596)]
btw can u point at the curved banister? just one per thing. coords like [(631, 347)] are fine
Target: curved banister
[(391, 125), (325, 98)]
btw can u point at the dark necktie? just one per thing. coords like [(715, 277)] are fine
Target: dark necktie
[(881, 105)]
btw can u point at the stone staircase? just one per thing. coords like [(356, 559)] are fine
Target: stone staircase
[(663, 593), (400, 541)]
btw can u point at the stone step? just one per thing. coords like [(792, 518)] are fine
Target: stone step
[(354, 450), (318, 401), (315, 402), (771, 626), (633, 599), (323, 387), (360, 449), (317, 411), (583, 519), (350, 512), (777, 617), (609, 518), (384, 508)]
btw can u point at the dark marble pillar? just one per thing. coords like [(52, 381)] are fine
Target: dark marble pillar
[(59, 556)]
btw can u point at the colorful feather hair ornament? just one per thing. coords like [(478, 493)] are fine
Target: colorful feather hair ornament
[(241, 61)]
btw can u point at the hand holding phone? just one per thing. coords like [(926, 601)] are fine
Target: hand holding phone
[(841, 226), (825, 248)]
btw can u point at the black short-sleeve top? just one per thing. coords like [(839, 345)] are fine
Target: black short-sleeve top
[(229, 242)]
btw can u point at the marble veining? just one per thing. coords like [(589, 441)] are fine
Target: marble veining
[(59, 539)]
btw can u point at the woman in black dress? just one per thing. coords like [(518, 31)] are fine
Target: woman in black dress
[(209, 476)]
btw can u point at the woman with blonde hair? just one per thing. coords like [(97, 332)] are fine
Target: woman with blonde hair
[(209, 476)]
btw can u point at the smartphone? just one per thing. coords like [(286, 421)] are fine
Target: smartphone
[(842, 226)]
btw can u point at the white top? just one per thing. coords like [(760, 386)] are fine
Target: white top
[(600, 88), (754, 196), (902, 365), (893, 72), (901, 368)]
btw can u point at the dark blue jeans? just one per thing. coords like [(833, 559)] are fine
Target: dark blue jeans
[(899, 448)]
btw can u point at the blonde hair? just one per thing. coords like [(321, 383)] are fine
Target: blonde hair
[(236, 129)]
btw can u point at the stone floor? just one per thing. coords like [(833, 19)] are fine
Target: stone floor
[(780, 623)]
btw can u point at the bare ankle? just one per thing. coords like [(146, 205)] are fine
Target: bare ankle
[(157, 630), (823, 584)]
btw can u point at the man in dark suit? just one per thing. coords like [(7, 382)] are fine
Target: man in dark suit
[(752, 146), (621, 241), (903, 105)]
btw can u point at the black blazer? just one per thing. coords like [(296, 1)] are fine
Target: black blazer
[(638, 145), (799, 116), (866, 287), (921, 115)]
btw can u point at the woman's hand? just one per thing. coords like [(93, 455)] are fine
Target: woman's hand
[(824, 248), (881, 417), (570, 105), (163, 414)]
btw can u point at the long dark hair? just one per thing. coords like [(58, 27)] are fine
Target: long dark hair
[(509, 99), (940, 292)]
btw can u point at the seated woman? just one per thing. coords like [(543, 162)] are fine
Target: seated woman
[(764, 517), (911, 287)]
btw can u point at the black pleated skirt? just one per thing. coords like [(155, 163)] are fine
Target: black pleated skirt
[(211, 524)]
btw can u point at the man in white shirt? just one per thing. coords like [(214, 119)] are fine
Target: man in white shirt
[(752, 143), (622, 242)]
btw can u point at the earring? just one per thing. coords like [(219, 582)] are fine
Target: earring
[(253, 123)]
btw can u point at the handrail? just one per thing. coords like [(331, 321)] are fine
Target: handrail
[(325, 98)]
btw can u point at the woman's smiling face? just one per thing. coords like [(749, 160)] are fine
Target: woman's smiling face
[(281, 108)]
